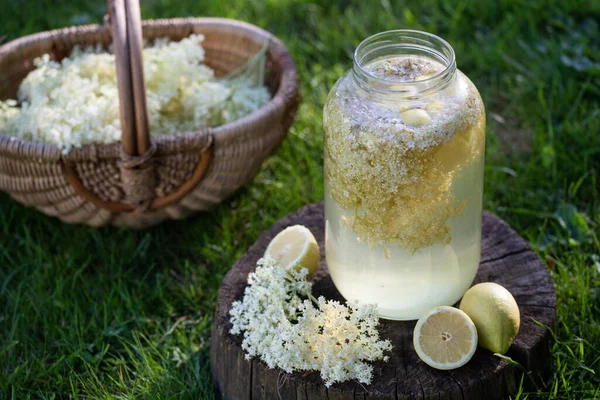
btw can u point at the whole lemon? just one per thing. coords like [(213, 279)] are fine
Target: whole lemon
[(495, 314)]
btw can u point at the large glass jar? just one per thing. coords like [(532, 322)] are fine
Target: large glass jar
[(404, 153)]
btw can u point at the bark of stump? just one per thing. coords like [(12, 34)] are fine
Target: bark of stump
[(506, 259)]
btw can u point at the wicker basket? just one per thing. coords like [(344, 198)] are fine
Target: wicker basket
[(141, 182)]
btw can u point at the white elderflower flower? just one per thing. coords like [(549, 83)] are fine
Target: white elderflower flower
[(76, 101), (287, 328)]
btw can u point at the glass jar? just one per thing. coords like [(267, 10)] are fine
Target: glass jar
[(404, 134)]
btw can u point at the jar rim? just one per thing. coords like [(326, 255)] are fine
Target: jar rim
[(405, 39)]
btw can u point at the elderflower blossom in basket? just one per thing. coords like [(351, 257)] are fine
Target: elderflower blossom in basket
[(76, 102)]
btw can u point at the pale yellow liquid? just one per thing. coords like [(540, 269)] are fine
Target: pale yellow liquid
[(405, 285)]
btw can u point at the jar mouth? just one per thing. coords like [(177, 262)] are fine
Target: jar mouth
[(404, 42)]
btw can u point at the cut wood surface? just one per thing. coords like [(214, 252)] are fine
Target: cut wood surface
[(506, 259)]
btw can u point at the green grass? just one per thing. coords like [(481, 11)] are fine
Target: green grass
[(110, 313)]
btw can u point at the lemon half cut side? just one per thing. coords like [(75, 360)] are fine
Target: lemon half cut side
[(445, 338), (295, 247)]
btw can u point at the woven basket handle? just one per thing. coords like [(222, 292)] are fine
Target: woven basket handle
[(126, 26), (138, 175)]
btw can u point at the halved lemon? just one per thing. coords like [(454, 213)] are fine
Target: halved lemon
[(445, 338), (295, 247)]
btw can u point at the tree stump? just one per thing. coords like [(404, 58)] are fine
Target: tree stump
[(506, 259)]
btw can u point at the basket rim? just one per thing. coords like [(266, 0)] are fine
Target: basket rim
[(194, 140)]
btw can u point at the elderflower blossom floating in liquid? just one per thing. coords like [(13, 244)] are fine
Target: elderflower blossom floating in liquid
[(283, 326), (404, 149)]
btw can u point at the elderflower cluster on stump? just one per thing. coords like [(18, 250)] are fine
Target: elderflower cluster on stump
[(284, 325)]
